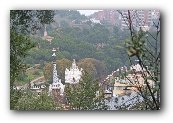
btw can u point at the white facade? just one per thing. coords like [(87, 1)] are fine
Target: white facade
[(56, 81), (95, 20), (137, 67), (73, 75)]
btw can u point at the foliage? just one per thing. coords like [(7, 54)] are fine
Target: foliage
[(20, 22), (19, 45), (31, 101), (23, 23), (61, 65), (82, 96), (94, 67), (14, 96), (74, 43), (29, 21), (48, 72), (30, 74), (70, 14), (145, 47), (98, 34)]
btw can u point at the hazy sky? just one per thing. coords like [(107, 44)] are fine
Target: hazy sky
[(88, 12)]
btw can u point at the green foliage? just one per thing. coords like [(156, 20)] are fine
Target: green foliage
[(61, 67), (135, 46), (28, 21), (23, 23), (149, 60), (70, 14), (48, 72), (94, 67), (98, 34), (82, 96), (31, 101), (78, 44), (14, 96), (19, 45), (29, 75)]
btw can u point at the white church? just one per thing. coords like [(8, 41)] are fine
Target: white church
[(73, 75)]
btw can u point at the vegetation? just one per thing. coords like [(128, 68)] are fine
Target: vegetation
[(23, 23), (30, 74), (145, 46), (31, 101), (97, 42), (61, 66), (83, 96)]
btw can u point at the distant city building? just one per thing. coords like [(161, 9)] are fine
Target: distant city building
[(73, 75), (137, 68), (141, 19), (93, 20)]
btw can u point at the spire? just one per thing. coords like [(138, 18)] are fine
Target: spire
[(55, 76), (74, 64)]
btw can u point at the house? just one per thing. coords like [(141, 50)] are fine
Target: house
[(46, 37)]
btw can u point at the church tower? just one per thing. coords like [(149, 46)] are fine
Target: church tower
[(56, 88)]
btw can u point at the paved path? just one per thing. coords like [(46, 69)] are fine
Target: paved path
[(38, 80)]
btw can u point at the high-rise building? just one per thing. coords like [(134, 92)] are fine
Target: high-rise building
[(140, 19)]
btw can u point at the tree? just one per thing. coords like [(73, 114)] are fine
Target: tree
[(48, 72), (19, 45), (23, 23), (61, 65), (31, 101), (144, 46), (83, 96), (98, 34), (94, 67)]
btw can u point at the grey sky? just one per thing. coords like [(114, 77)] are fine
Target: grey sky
[(88, 12)]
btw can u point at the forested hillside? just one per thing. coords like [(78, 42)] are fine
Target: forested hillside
[(96, 42)]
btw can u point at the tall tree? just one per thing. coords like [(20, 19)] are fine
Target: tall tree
[(144, 46), (61, 66), (30, 101), (23, 23), (83, 96)]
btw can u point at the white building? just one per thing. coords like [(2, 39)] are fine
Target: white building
[(56, 85), (136, 67), (73, 75), (95, 20)]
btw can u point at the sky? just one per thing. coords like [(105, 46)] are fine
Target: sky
[(87, 12)]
